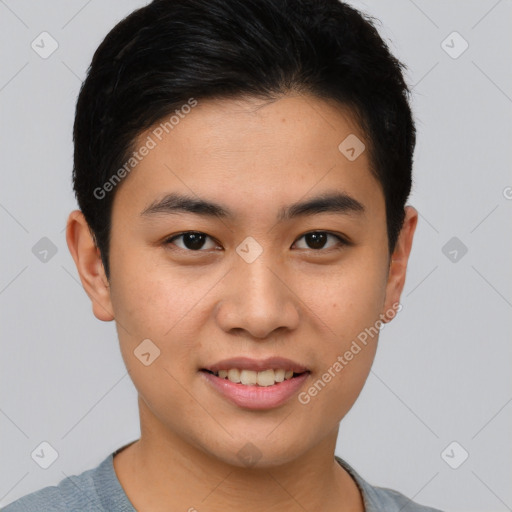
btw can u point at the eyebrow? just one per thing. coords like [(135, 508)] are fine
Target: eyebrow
[(174, 203)]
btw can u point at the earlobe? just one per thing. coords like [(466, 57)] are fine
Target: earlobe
[(89, 265), (398, 266)]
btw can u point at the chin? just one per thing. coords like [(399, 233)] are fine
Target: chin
[(258, 452)]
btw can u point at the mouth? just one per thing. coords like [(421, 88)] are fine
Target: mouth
[(264, 378), (256, 384)]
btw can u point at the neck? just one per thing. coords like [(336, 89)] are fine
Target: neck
[(161, 471)]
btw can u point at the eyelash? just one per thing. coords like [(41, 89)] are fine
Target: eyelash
[(342, 241)]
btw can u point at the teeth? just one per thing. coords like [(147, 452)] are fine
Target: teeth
[(252, 378), (248, 377), (233, 375), (266, 378), (279, 375)]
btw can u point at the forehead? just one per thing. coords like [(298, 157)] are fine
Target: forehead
[(249, 152)]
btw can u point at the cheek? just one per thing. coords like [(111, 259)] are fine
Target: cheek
[(160, 305), (148, 305), (349, 304), (347, 299), (147, 308), (145, 298), (136, 303)]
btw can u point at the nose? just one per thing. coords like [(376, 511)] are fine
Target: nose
[(257, 300)]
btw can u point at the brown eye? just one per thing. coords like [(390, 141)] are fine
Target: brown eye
[(192, 241), (318, 239)]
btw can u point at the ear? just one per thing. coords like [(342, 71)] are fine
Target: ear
[(398, 264), (89, 265)]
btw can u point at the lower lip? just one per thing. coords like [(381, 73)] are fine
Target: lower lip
[(256, 397)]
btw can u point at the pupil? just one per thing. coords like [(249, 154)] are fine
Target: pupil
[(193, 241), (316, 240)]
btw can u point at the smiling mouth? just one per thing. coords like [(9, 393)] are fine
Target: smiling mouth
[(252, 378)]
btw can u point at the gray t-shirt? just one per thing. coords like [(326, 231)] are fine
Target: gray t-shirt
[(99, 490)]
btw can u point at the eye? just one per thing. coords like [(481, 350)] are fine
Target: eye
[(197, 241), (318, 239), (192, 241)]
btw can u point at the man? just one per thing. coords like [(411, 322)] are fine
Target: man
[(242, 170)]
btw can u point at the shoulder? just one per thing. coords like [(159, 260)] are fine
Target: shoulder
[(92, 490), (381, 498), (49, 498), (391, 500)]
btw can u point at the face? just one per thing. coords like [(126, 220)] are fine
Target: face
[(284, 269)]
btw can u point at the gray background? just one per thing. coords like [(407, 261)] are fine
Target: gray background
[(442, 371)]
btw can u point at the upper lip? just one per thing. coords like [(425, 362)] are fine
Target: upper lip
[(257, 365)]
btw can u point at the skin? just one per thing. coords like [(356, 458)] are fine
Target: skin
[(200, 307)]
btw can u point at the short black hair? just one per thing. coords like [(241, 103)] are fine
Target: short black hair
[(162, 55)]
